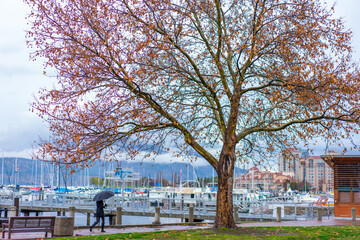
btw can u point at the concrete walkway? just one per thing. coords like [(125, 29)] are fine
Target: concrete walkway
[(96, 231)]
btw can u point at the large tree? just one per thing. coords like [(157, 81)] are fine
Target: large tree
[(218, 79)]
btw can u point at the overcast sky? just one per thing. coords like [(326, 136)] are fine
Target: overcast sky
[(20, 79)]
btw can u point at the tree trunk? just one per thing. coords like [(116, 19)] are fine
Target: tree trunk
[(224, 204)]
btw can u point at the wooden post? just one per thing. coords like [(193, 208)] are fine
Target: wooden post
[(191, 215), (17, 204), (157, 216), (236, 214), (119, 216), (59, 213), (111, 222), (278, 214), (319, 214), (88, 215), (353, 214)]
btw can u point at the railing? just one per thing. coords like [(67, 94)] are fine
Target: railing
[(174, 207)]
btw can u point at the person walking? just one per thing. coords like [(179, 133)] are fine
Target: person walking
[(99, 215)]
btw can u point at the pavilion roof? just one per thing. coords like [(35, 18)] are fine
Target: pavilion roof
[(332, 159)]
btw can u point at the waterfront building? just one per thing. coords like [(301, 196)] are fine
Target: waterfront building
[(310, 170), (290, 162), (346, 184), (318, 174), (263, 181)]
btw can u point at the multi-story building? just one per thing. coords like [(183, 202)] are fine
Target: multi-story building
[(310, 169), (257, 180), (290, 164), (318, 174)]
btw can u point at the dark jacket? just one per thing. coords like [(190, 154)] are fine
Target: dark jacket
[(100, 208)]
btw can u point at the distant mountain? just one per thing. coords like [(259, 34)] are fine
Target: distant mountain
[(151, 169), (23, 171)]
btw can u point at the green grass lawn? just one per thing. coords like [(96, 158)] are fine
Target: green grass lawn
[(321, 232)]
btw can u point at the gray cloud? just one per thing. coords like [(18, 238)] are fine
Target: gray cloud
[(22, 134), (21, 78)]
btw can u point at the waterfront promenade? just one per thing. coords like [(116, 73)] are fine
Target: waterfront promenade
[(84, 231)]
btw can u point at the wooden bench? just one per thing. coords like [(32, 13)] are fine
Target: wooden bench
[(29, 224)]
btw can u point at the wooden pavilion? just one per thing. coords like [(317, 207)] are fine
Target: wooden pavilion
[(346, 183)]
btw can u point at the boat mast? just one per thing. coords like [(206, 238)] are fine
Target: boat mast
[(58, 178), (234, 182), (252, 180), (2, 170), (213, 176), (99, 176), (41, 174), (88, 177), (180, 177), (36, 172), (188, 177), (16, 170)]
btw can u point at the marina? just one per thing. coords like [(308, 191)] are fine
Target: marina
[(136, 202), (188, 201), (174, 205)]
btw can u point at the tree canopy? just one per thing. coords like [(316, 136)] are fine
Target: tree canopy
[(242, 76)]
